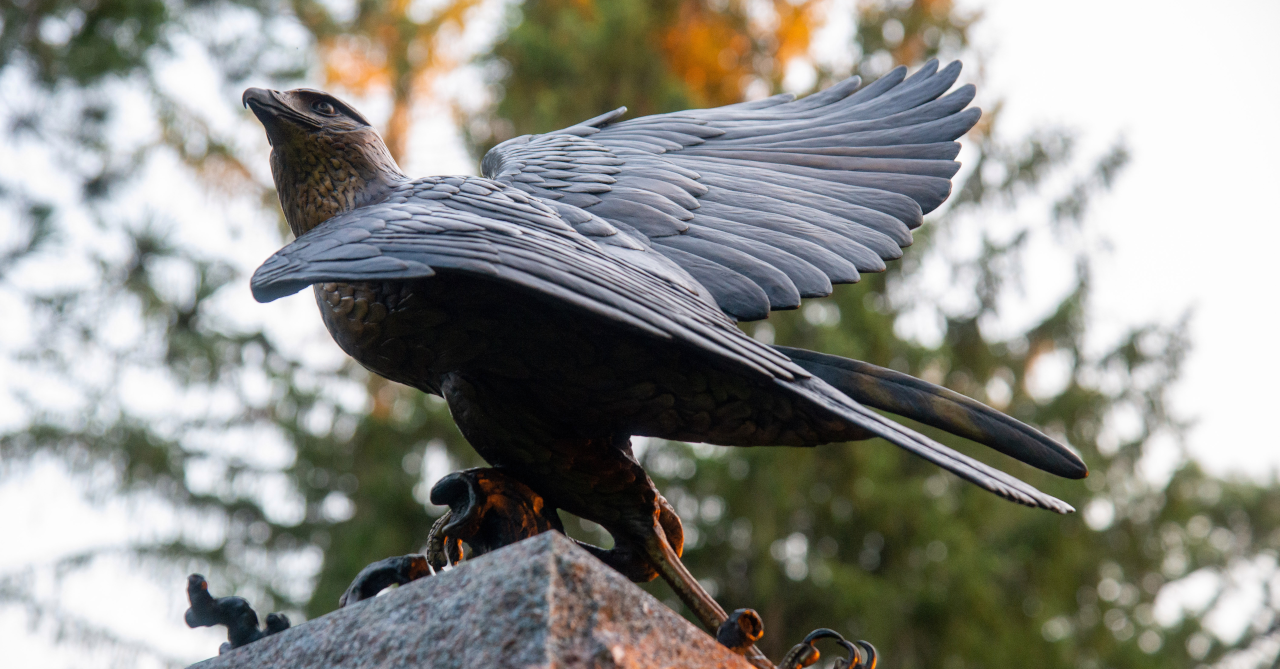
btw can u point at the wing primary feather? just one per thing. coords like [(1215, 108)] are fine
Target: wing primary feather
[(825, 182), (944, 169), (936, 151), (861, 256), (836, 268), (914, 91), (808, 279), (737, 295), (835, 93), (640, 216), (741, 132), (877, 87), (773, 101), (870, 227), (775, 283), (789, 195), (864, 206)]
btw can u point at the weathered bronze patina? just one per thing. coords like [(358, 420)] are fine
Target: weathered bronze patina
[(585, 290)]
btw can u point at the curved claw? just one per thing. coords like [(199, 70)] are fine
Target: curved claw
[(862, 655), (868, 659), (383, 574), (488, 509), (443, 550)]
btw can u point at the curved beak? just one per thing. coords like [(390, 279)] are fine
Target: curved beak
[(259, 95), (262, 102), (271, 110)]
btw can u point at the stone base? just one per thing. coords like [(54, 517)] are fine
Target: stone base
[(543, 602)]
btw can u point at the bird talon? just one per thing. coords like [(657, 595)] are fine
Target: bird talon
[(383, 574), (442, 549), (740, 630), (488, 509), (862, 655)]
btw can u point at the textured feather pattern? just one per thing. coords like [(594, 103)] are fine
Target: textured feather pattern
[(899, 435), (833, 182), (944, 409), (475, 225), (482, 227)]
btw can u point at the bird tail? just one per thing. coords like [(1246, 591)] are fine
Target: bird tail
[(946, 410)]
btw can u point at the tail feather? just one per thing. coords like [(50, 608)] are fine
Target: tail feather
[(989, 478), (938, 407)]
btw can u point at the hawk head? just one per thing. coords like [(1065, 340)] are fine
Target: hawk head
[(325, 157)]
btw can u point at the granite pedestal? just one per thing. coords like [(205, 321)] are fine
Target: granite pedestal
[(542, 602)]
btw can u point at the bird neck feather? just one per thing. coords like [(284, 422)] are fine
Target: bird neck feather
[(321, 175)]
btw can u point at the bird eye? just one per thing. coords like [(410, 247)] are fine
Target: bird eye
[(322, 107)]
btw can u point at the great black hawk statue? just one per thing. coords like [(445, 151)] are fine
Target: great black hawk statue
[(585, 289)]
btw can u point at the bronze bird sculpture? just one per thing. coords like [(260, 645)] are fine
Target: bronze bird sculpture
[(585, 289)]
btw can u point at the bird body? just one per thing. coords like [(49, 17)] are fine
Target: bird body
[(585, 289), (552, 393)]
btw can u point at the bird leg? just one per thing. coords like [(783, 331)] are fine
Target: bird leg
[(667, 561), (488, 509), (682, 582), (740, 630), (232, 612)]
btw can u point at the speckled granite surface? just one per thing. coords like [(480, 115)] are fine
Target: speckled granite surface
[(541, 603)]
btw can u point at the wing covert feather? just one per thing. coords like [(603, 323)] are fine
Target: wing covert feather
[(475, 225), (850, 170)]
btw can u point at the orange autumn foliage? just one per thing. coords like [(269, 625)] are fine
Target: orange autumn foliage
[(796, 21), (717, 52), (710, 53), (386, 46)]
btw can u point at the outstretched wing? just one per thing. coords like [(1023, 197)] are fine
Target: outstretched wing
[(479, 226), (767, 202), (475, 225)]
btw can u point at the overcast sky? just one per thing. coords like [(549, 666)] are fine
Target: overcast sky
[(1192, 89)]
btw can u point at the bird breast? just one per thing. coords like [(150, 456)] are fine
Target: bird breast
[(386, 328), (530, 358)]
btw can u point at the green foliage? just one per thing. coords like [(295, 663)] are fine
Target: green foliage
[(908, 33), (607, 52), (385, 491), (81, 41)]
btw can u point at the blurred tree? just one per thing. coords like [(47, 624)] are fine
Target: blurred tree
[(288, 476), (264, 460), (394, 46), (652, 57)]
